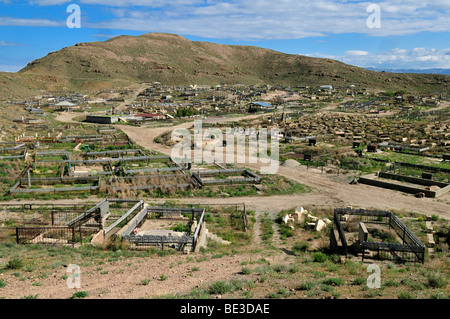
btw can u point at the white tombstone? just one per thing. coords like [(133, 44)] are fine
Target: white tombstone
[(320, 225)]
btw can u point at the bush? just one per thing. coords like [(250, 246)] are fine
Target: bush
[(220, 287), (404, 295), (436, 281), (358, 281), (320, 257), (246, 271), (163, 277), (306, 286), (333, 282), (79, 295), (14, 263), (300, 247), (145, 282), (2, 283), (278, 268)]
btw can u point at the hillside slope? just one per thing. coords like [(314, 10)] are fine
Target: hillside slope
[(174, 60)]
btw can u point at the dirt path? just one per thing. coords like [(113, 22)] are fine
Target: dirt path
[(327, 191)]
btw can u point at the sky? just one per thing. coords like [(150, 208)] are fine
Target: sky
[(389, 34)]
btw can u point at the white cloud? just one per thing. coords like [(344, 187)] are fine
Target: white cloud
[(283, 19), (416, 58), (11, 44), (7, 21), (263, 19), (357, 52)]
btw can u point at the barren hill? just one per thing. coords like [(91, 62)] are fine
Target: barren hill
[(174, 60)]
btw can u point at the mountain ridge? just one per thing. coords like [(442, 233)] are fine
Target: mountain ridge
[(174, 60)]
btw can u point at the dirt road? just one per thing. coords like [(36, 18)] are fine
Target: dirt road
[(327, 191)]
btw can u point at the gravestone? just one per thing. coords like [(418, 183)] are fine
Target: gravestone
[(427, 176), (371, 148), (363, 234)]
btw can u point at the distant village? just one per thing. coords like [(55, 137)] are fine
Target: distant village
[(160, 102)]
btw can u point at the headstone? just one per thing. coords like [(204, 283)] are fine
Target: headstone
[(431, 242), (371, 148), (300, 214), (320, 225), (428, 176), (363, 234), (429, 227)]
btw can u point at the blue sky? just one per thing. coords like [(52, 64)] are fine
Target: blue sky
[(413, 34)]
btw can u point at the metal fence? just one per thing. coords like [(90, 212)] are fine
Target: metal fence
[(52, 235), (410, 250)]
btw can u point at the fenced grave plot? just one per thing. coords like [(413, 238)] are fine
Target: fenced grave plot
[(40, 185), (18, 152), (226, 177), (118, 209), (426, 181), (51, 157), (229, 222), (54, 235), (374, 235), (81, 170), (437, 175), (153, 164), (114, 154), (131, 185), (176, 228), (50, 224), (410, 159)]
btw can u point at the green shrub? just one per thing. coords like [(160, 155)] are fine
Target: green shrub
[(358, 281), (145, 282), (2, 283), (436, 281), (79, 295), (220, 287), (333, 282), (14, 263), (246, 271), (278, 268), (391, 283), (300, 247), (319, 257), (306, 286), (163, 277), (404, 295)]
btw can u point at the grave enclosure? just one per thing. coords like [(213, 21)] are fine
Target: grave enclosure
[(134, 222), (411, 249)]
